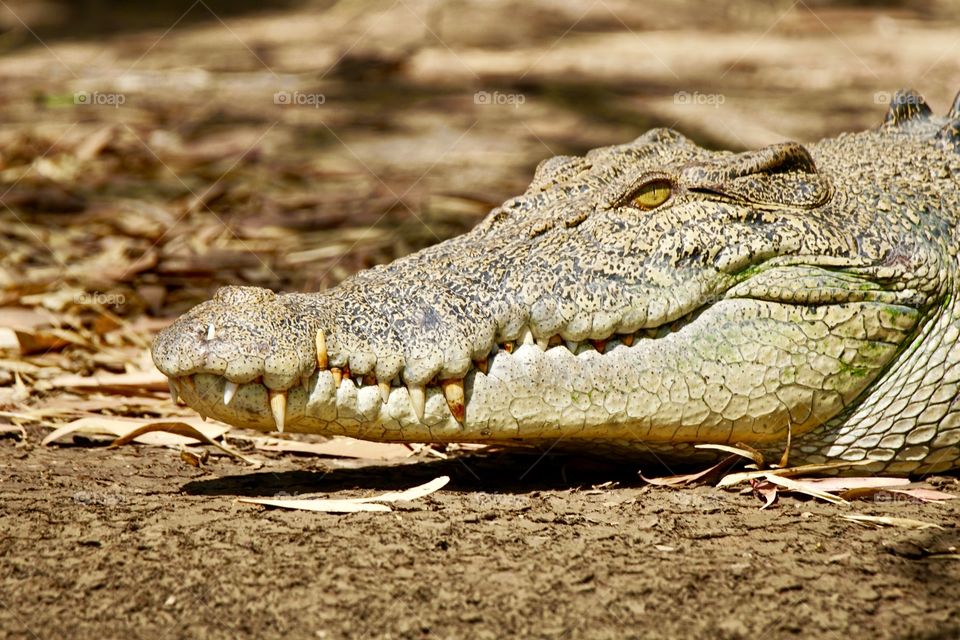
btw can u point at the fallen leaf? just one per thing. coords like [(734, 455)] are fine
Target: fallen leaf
[(121, 427), (889, 521), (732, 479), (801, 486), (118, 382), (339, 446), (320, 504), (768, 491), (855, 482), (749, 454), (165, 433), (193, 459), (689, 478), (350, 505)]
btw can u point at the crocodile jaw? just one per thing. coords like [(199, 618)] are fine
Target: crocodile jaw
[(729, 375)]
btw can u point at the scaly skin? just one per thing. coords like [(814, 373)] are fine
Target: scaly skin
[(644, 298)]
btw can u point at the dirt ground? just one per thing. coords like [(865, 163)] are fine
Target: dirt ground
[(148, 157)]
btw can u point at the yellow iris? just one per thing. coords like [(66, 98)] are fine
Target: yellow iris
[(651, 195)]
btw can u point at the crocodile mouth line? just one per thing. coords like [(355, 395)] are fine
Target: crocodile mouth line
[(452, 388)]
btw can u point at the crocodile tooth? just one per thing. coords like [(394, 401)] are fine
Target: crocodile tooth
[(482, 365), (384, 391), (229, 390), (174, 390), (526, 336), (418, 398), (210, 331), (453, 392), (321, 342), (571, 346), (543, 343), (627, 340), (337, 376), (278, 406)]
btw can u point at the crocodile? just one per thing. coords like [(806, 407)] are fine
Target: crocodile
[(641, 299)]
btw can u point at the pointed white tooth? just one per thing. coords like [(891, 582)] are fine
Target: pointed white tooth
[(526, 336), (543, 343), (571, 346), (210, 331), (418, 398), (384, 391), (453, 392), (278, 406), (174, 390), (321, 342), (229, 390)]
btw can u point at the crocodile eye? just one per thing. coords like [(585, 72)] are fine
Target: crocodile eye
[(651, 195)]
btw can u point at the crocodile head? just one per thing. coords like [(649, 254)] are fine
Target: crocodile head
[(652, 292)]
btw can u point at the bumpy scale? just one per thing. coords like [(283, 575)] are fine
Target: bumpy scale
[(640, 299)]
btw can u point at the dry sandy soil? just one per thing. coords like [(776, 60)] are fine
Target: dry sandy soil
[(146, 159)]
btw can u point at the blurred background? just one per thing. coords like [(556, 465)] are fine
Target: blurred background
[(151, 154)]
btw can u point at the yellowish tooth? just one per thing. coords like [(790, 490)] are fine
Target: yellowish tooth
[(174, 390), (384, 391), (627, 340), (543, 343), (278, 406), (229, 390), (482, 365), (526, 336), (337, 376), (321, 342), (418, 398), (453, 392)]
